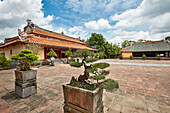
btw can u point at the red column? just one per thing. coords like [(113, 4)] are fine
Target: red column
[(61, 54), (58, 56)]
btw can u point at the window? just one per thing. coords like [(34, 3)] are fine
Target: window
[(53, 39), (72, 42), (37, 35), (42, 37), (11, 52), (62, 41)]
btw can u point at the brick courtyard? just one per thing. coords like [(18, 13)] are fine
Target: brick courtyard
[(143, 89)]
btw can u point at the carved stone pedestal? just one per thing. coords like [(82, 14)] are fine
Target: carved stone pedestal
[(25, 83)]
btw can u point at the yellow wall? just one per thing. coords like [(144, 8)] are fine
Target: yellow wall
[(15, 50), (41, 56), (126, 54)]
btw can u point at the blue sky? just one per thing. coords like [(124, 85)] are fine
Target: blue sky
[(116, 20)]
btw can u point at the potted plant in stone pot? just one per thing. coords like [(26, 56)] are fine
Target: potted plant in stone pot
[(52, 54), (158, 57), (68, 54), (25, 77), (144, 57), (131, 57), (82, 95), (96, 55), (121, 57)]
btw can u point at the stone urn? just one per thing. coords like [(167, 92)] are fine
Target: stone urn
[(78, 100), (25, 83)]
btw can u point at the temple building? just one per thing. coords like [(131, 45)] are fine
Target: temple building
[(47, 39), (149, 48)]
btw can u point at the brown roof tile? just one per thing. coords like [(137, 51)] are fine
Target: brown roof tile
[(58, 43)]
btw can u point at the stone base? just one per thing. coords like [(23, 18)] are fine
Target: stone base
[(25, 92), (25, 83), (70, 108)]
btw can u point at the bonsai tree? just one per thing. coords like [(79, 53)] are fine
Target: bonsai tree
[(25, 57), (143, 56), (68, 54), (93, 71), (52, 54), (4, 61), (131, 57), (96, 55), (158, 57), (121, 57)]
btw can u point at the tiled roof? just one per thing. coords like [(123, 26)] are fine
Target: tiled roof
[(48, 42), (38, 31), (152, 46)]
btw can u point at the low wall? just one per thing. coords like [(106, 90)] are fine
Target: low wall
[(148, 58)]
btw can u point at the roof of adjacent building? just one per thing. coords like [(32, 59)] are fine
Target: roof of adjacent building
[(162, 45), (47, 42)]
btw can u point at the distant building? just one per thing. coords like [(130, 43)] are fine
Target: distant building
[(149, 48), (47, 39)]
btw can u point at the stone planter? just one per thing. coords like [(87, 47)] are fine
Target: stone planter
[(144, 58), (158, 58), (25, 83), (78, 100)]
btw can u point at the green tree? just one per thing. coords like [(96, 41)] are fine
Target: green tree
[(52, 53), (68, 54), (96, 40), (4, 61), (167, 38), (25, 57)]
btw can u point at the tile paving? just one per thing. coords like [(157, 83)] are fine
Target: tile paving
[(143, 89)]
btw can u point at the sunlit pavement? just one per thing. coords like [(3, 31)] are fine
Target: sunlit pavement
[(143, 89)]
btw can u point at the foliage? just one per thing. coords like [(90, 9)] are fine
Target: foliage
[(121, 56), (91, 60), (76, 64), (68, 53), (4, 61), (96, 40), (167, 38), (109, 84), (143, 55), (25, 57), (93, 71), (101, 65), (52, 53), (157, 55), (35, 48), (35, 63), (101, 54), (105, 48), (96, 54)]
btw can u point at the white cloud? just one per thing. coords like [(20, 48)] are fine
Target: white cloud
[(57, 18), (154, 12), (15, 12), (101, 24), (59, 30), (98, 8), (76, 31)]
